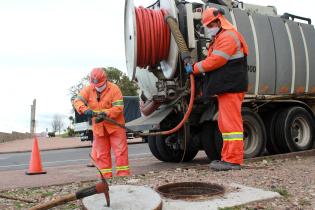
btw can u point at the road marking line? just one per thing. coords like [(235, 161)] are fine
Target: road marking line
[(64, 161), (44, 163), (133, 155)]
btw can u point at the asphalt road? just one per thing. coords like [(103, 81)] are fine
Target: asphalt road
[(16, 161)]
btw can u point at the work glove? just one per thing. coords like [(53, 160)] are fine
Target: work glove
[(103, 114), (89, 113), (188, 68), (100, 117)]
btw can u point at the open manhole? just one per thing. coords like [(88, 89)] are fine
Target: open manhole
[(190, 190)]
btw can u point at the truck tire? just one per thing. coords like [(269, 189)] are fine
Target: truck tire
[(210, 142), (169, 153), (270, 122), (153, 148), (190, 155), (254, 134), (295, 129)]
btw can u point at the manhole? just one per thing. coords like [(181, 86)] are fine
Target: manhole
[(190, 190)]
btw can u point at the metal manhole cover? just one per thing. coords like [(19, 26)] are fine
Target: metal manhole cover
[(190, 190)]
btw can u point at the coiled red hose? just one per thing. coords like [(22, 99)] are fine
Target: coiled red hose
[(153, 37), (153, 43)]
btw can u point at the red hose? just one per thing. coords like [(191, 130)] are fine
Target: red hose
[(153, 44), (190, 106), (153, 37)]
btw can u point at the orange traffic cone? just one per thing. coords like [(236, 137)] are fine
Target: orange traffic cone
[(35, 163)]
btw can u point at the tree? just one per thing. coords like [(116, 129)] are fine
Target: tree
[(70, 130), (75, 90), (71, 119), (57, 123), (127, 87)]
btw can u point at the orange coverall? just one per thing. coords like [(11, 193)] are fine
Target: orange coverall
[(107, 135), (227, 45)]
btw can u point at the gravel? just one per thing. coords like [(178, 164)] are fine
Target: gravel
[(293, 178)]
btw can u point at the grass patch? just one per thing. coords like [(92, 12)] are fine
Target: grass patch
[(231, 208), (282, 191), (19, 206), (48, 194)]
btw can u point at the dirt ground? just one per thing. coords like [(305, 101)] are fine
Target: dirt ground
[(293, 178)]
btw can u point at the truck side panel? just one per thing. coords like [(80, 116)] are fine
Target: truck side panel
[(267, 63), (300, 62), (309, 34), (283, 53)]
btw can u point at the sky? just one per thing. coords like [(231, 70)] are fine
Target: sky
[(48, 46)]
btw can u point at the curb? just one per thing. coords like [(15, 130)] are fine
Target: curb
[(305, 153), (60, 148)]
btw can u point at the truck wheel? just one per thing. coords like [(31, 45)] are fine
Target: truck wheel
[(270, 122), (190, 155), (153, 148), (169, 149), (209, 140), (295, 129), (254, 134)]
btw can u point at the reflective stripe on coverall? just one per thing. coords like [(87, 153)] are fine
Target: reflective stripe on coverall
[(228, 45), (107, 135)]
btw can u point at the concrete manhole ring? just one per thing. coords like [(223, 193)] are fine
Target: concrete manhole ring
[(123, 197), (190, 190)]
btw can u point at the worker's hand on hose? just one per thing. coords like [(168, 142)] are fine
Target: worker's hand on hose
[(103, 114), (100, 117), (89, 113), (189, 68)]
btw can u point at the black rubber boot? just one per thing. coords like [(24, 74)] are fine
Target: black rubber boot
[(218, 165), (90, 165)]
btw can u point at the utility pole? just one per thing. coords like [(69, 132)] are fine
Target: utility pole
[(33, 108)]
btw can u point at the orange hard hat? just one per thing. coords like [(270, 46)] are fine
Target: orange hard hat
[(211, 14), (98, 77)]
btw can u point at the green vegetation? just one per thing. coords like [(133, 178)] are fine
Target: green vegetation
[(282, 191), (127, 87), (231, 208)]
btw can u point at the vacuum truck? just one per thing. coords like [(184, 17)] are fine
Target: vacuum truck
[(279, 106)]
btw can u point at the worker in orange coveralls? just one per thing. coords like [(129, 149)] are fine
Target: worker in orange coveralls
[(225, 73), (104, 96)]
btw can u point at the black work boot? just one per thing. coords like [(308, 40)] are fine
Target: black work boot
[(218, 165), (90, 165)]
